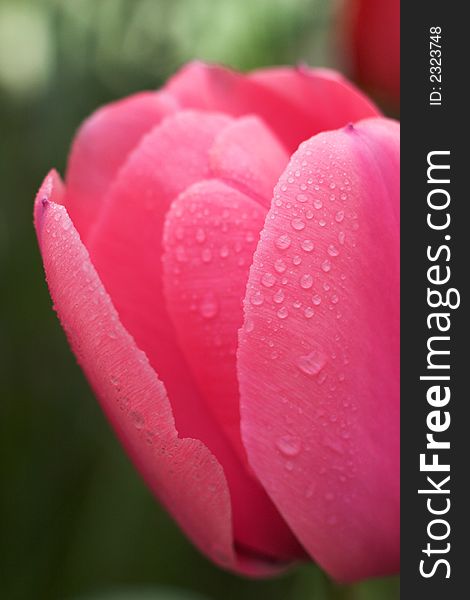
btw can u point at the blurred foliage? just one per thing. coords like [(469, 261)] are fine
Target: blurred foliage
[(76, 520)]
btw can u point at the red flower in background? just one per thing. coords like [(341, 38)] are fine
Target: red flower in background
[(232, 298), (372, 45)]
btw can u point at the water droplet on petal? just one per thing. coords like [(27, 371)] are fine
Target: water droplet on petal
[(339, 216), (268, 280), (306, 281), (333, 250), (302, 197), (317, 203), (312, 363), (257, 298), (297, 260), (283, 242), (280, 265), (278, 297), (297, 224), (289, 445), (206, 255), (200, 235), (310, 490), (309, 312), (307, 245), (224, 252), (180, 254), (316, 299), (283, 313), (326, 266), (208, 306)]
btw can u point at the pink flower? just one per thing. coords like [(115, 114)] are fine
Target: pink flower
[(233, 302), (372, 43)]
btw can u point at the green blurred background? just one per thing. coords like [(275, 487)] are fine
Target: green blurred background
[(76, 520)]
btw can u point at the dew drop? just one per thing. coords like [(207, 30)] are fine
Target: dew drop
[(333, 250), (322, 222), (312, 363), (283, 313), (316, 299), (341, 237), (339, 216), (289, 445), (283, 242), (307, 245), (268, 280), (310, 490), (137, 419), (280, 265), (309, 312), (278, 297), (297, 224), (249, 325), (306, 281), (257, 298), (200, 236), (317, 203), (297, 260), (224, 252), (209, 306), (206, 255), (326, 265), (302, 197), (180, 254), (334, 299)]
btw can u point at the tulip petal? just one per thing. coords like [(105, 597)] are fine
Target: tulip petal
[(101, 147), (249, 157), (211, 233), (183, 473), (126, 243), (339, 102), (329, 101), (319, 370), (126, 249)]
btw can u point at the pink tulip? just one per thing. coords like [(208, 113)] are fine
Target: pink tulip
[(233, 302)]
